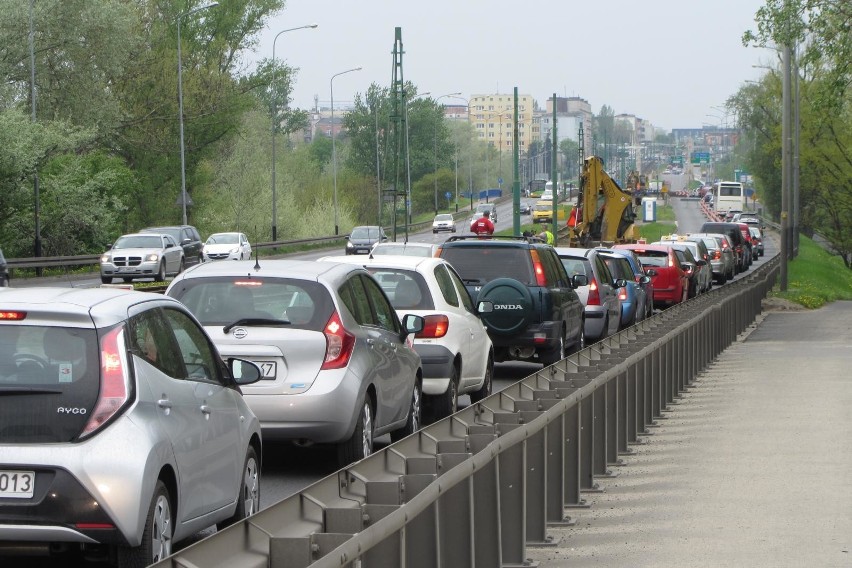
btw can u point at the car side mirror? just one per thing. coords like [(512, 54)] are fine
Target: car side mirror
[(645, 279), (579, 280), (186, 241), (619, 282), (244, 372), (411, 323), (651, 272), (701, 262)]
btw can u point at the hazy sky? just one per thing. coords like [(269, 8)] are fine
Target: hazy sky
[(667, 61)]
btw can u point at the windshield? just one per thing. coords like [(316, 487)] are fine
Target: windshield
[(371, 233), (139, 241), (444, 218), (223, 239)]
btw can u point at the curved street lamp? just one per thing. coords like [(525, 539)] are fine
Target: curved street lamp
[(183, 196), (275, 125), (333, 151)]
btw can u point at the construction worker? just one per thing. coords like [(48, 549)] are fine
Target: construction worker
[(545, 235), (483, 226)]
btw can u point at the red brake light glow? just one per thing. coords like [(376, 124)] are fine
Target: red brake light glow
[(13, 316), (338, 344), (434, 326), (622, 293), (540, 279), (115, 380), (594, 298)]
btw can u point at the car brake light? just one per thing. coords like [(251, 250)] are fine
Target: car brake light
[(717, 254), (622, 293), (13, 316), (538, 267), (339, 344), (434, 326), (594, 298), (115, 380)]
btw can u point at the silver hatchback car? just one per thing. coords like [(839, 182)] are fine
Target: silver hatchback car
[(120, 425), (338, 365)]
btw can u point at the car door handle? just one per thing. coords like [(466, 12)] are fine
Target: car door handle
[(164, 403), (206, 409)]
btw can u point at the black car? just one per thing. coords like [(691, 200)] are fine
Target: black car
[(187, 237), (537, 315), (4, 271), (362, 239), (735, 236)]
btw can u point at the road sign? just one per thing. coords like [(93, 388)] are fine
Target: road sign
[(499, 181), (448, 195)]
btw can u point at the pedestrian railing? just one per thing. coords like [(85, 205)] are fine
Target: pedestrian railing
[(481, 486)]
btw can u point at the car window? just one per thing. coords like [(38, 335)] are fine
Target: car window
[(354, 297), (574, 266), (199, 359), (385, 316), (463, 294), (603, 270), (445, 283), (554, 277), (152, 340), (483, 264)]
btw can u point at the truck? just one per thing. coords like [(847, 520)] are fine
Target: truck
[(605, 213)]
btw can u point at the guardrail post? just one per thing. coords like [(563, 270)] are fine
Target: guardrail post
[(512, 467), (612, 421), (555, 476), (573, 468), (587, 444), (626, 411), (536, 477), (487, 531)]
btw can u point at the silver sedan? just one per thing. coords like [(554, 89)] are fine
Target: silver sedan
[(142, 255)]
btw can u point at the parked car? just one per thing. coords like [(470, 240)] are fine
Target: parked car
[(455, 351), (404, 249), (4, 270), (187, 237), (756, 240), (722, 256), (732, 231), (444, 222), (644, 288), (338, 365), (537, 315), (362, 239), (120, 425), (227, 246), (628, 294), (602, 308), (142, 255), (670, 280)]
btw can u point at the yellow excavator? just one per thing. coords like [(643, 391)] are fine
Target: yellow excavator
[(604, 212)]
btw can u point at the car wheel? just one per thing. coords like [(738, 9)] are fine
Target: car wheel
[(415, 414), (487, 383), (248, 500), (127, 280), (360, 444), (581, 341), (161, 273), (182, 265), (106, 279), (557, 353), (448, 402), (157, 535)]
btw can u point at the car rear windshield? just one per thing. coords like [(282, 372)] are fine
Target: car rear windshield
[(574, 266), (653, 257), (221, 301), (479, 265), (49, 382), (406, 289)]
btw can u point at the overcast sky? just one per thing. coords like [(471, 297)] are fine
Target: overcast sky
[(667, 61)]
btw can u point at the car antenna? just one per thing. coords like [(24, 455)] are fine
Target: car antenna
[(256, 254)]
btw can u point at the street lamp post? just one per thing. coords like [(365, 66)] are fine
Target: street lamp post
[(436, 147), (183, 196), (275, 127), (333, 150)]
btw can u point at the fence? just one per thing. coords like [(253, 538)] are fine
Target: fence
[(479, 487)]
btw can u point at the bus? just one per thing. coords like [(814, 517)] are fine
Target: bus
[(728, 195)]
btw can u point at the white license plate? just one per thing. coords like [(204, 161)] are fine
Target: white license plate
[(17, 484), (268, 369)]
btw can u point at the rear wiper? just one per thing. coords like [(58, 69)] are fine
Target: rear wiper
[(472, 280), (14, 389), (269, 322)]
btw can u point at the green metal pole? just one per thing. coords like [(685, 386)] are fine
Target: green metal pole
[(516, 184), (554, 175)]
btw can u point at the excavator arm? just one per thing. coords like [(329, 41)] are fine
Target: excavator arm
[(605, 210)]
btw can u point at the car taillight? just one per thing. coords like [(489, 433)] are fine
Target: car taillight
[(538, 267), (717, 254), (115, 380), (594, 298), (434, 326), (338, 344), (13, 316), (622, 293)]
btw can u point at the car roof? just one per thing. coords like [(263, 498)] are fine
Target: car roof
[(573, 251), (277, 268), (415, 263)]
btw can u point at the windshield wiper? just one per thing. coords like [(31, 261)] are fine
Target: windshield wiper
[(15, 389), (268, 322), (472, 280)]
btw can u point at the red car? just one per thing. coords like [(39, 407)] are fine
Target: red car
[(670, 281), (751, 245)]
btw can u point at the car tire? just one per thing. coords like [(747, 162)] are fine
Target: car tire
[(415, 414), (360, 444), (157, 535), (581, 341), (161, 273), (248, 500), (127, 279), (447, 402), (487, 384), (555, 354), (182, 265), (106, 279)]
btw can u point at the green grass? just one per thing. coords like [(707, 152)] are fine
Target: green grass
[(815, 277)]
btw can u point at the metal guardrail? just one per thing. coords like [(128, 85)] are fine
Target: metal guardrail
[(479, 487)]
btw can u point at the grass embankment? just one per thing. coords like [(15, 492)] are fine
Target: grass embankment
[(664, 225), (815, 277)]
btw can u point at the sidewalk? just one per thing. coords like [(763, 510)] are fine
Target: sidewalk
[(752, 468)]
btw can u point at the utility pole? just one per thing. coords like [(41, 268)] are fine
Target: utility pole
[(785, 168), (399, 135), (516, 183), (554, 175)]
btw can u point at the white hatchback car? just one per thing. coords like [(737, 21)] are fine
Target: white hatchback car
[(444, 222), (227, 246), (454, 346)]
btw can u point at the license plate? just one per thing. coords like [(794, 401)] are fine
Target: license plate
[(268, 369), (17, 484)]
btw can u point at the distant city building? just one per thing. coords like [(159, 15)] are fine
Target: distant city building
[(492, 118)]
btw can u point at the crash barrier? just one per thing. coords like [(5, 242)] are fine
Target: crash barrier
[(481, 486)]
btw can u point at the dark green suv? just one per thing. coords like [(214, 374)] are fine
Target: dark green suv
[(537, 316)]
